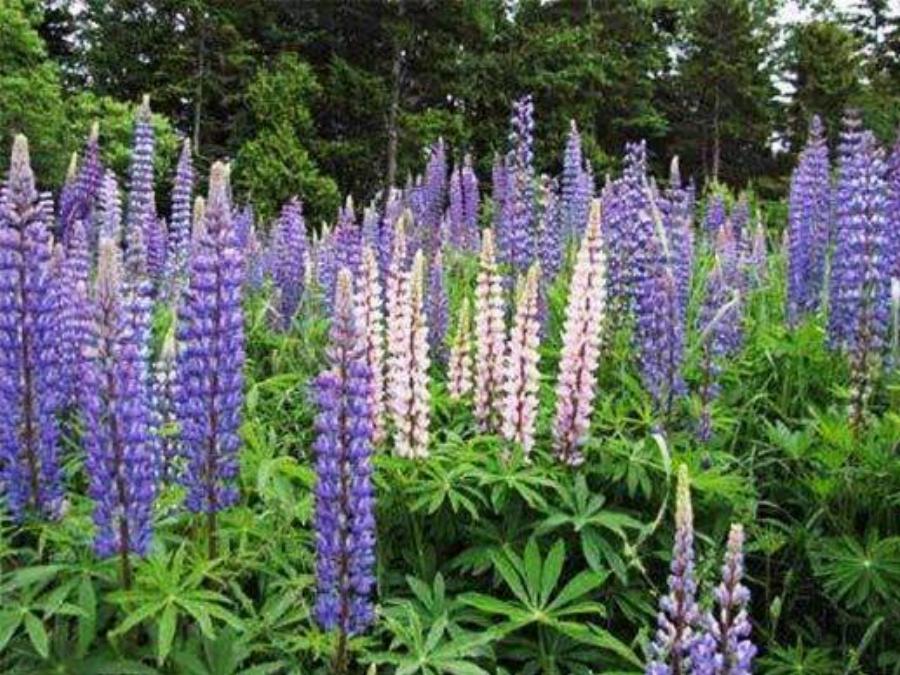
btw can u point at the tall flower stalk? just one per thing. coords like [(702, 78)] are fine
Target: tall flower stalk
[(345, 497), (522, 378), (459, 377), (141, 196), (288, 259), (408, 362), (371, 321), (29, 358), (490, 333), (210, 362), (678, 612), (438, 308), (581, 338), (120, 447), (859, 302), (179, 240)]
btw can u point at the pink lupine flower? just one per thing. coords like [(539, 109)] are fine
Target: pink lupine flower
[(522, 376), (460, 366), (489, 336), (581, 344), (371, 321), (397, 269), (408, 395)]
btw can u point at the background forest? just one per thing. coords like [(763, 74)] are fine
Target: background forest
[(326, 98)]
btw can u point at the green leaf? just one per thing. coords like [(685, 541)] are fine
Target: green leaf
[(167, 624), (580, 585), (552, 569), (87, 622), (10, 621), (37, 634)]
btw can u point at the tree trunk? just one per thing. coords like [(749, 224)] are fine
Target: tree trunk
[(717, 141), (198, 89), (393, 114)]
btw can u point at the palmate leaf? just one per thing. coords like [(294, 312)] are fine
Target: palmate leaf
[(855, 573), (533, 581)]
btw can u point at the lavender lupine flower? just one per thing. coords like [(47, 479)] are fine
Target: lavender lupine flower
[(520, 248), (80, 200), (500, 202), (288, 252), (179, 240), (720, 335), (435, 194), (470, 203), (678, 612), (118, 438), (458, 233), (521, 375), (574, 199), (756, 262), (659, 325), (345, 250), (438, 309), (141, 197), (211, 359), (678, 213), (551, 230), (109, 209), (29, 372), (725, 648), (739, 219), (459, 371), (371, 321), (581, 340), (859, 302), (165, 405), (893, 207), (809, 216), (393, 210), (73, 311), (345, 496), (243, 223), (490, 333), (716, 215), (157, 237), (408, 395)]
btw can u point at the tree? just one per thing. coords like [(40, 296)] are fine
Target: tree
[(721, 91), (275, 164), (823, 67)]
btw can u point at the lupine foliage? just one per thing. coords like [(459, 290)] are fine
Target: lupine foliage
[(324, 494)]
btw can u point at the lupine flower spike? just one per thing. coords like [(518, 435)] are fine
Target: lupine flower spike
[(489, 337), (288, 258), (408, 395), (345, 498), (210, 362), (725, 647), (581, 339), (120, 446), (459, 375), (678, 612), (371, 321), (522, 377), (179, 240), (29, 368)]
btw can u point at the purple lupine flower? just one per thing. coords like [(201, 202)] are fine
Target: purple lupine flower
[(109, 209), (243, 223), (344, 250), (893, 206), (345, 496), (118, 438), (288, 258), (141, 197), (679, 615), (859, 301), (739, 220), (659, 325), (73, 311), (615, 235), (725, 648), (809, 225), (581, 339), (437, 307), (551, 230), (81, 199), (456, 215), (470, 203), (500, 200), (157, 242), (574, 198), (211, 359), (720, 335), (716, 215), (677, 210), (179, 240), (29, 372), (165, 405), (393, 209), (519, 248), (434, 194)]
